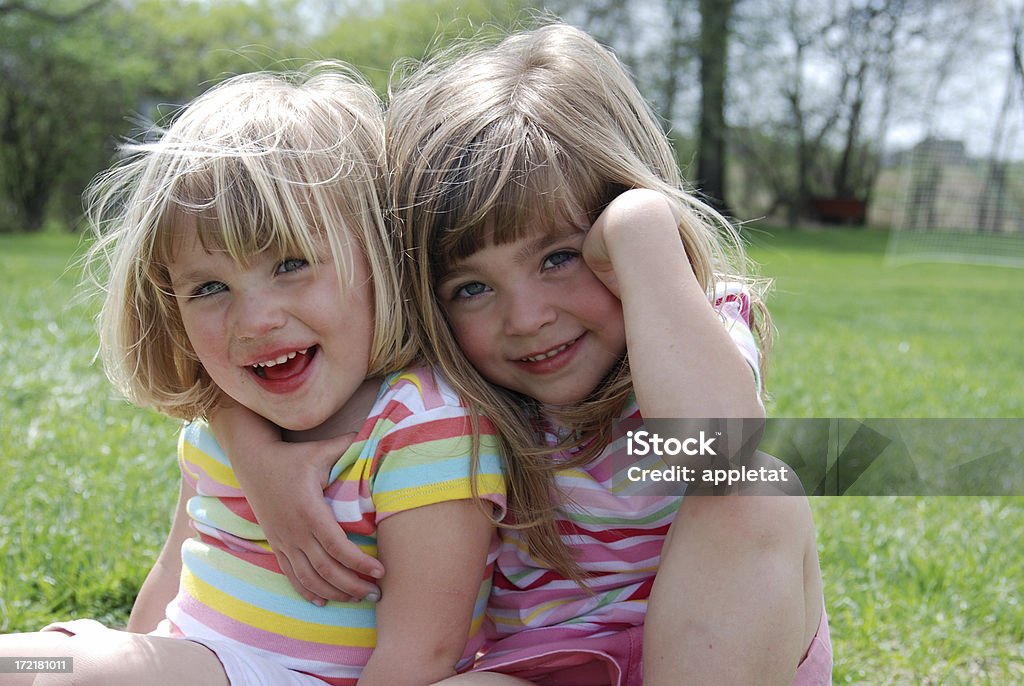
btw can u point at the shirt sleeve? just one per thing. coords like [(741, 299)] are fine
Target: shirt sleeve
[(427, 459), (732, 302)]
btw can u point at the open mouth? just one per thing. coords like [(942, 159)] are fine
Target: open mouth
[(540, 357), (285, 366)]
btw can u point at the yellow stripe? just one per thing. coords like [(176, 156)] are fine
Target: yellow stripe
[(266, 620), (414, 378), (214, 469), (441, 491)]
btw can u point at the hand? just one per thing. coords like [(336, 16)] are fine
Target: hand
[(312, 550), (620, 218)]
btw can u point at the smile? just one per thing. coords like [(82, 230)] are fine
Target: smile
[(280, 360), (549, 353), (285, 366)]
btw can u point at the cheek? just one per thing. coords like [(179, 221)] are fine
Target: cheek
[(471, 338), (204, 338), (597, 302)]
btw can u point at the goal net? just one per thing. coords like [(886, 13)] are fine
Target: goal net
[(960, 208)]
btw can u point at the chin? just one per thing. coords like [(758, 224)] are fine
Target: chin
[(297, 424)]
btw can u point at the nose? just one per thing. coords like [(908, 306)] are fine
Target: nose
[(527, 311), (256, 314)]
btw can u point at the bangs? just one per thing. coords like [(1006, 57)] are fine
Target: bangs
[(511, 182), (236, 207)]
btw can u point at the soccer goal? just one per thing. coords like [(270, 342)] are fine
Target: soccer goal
[(961, 202), (958, 208)]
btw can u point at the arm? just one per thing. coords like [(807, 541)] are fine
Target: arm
[(161, 583), (635, 249), (436, 556), (312, 550), (748, 563)]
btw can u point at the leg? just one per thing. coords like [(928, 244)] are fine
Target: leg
[(737, 598), (114, 658)]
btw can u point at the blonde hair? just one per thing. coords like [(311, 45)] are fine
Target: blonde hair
[(278, 162), (488, 145)]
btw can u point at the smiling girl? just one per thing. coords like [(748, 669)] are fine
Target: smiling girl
[(249, 265)]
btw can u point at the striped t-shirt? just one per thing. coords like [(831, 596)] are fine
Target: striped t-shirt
[(412, 450), (617, 537)]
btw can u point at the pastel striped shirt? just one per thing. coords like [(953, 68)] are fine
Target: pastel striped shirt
[(618, 538), (413, 450)]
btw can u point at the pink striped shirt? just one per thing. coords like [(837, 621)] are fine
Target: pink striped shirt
[(617, 537)]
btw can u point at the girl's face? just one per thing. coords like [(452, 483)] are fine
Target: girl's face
[(530, 316), (276, 335)]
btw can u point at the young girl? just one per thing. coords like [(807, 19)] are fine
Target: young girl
[(549, 233), (249, 264)]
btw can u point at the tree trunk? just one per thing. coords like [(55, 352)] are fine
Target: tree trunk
[(714, 48)]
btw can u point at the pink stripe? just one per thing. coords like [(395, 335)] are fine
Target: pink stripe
[(275, 643)]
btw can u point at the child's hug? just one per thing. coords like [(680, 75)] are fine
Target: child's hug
[(247, 264)]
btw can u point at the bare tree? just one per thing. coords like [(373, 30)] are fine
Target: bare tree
[(991, 209), (714, 53), (819, 86)]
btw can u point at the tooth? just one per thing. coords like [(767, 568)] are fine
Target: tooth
[(280, 360), (544, 356)]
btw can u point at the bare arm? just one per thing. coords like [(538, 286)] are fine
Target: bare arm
[(635, 249), (748, 563), (435, 557), (312, 550), (161, 583)]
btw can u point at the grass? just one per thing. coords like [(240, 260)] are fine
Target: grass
[(87, 482), (920, 590), (859, 339)]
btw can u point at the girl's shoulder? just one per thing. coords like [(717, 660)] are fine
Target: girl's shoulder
[(423, 385)]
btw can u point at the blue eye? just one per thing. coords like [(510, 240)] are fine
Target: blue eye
[(292, 264), (469, 290), (560, 258), (209, 288)]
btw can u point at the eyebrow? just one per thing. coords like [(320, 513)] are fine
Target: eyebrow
[(522, 255), (543, 242), (188, 278)]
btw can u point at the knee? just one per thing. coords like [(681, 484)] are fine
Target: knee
[(754, 523)]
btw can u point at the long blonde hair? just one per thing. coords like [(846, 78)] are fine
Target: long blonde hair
[(546, 124), (278, 162)]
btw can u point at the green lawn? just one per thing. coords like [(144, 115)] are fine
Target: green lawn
[(922, 590), (857, 338)]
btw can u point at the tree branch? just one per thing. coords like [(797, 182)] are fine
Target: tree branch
[(13, 6)]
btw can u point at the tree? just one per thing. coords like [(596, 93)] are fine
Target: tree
[(374, 37), (714, 51), (819, 85), (41, 127), (72, 80)]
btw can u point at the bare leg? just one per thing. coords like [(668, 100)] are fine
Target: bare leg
[(737, 598), (115, 658)]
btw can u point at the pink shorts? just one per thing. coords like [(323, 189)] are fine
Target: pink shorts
[(615, 658)]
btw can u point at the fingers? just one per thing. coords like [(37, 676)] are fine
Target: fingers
[(310, 581), (340, 549), (286, 568)]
